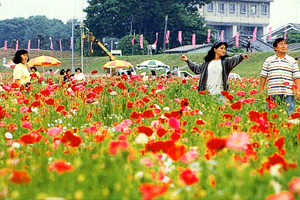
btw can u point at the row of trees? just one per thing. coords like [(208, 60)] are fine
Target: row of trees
[(36, 28)]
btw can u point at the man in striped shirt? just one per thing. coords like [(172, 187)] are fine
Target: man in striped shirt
[(281, 70)]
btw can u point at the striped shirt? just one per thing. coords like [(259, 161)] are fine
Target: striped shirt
[(280, 74)]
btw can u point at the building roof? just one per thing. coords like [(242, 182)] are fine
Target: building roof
[(280, 31), (187, 48), (294, 47)]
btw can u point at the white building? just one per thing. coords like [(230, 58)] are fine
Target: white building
[(237, 16)]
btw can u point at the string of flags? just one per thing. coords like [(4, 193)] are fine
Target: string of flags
[(5, 48)]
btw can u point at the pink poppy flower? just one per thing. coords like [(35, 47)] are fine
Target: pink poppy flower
[(55, 131), (238, 141), (281, 196), (294, 185), (147, 162), (25, 109), (174, 123)]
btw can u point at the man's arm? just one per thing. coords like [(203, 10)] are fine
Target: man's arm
[(297, 93), (262, 83)]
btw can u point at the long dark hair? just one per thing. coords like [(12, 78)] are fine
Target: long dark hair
[(17, 59), (211, 53)]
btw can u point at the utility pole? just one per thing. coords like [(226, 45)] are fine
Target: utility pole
[(72, 42), (165, 32)]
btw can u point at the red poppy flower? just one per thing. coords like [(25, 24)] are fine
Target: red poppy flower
[(189, 177), (146, 130), (253, 92), (236, 105), (139, 104), (121, 86), (117, 146), (20, 177), (216, 144), (148, 114), (98, 89), (227, 116), (36, 103), (176, 151), (279, 143), (71, 139), (61, 166), (184, 102), (151, 191), (45, 92), (41, 79), (271, 105), (161, 132), (146, 99), (60, 108), (200, 122), (135, 115), (129, 104), (295, 115), (49, 101), (94, 72), (30, 138)]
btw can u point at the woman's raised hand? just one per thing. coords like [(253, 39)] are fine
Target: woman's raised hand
[(183, 58)]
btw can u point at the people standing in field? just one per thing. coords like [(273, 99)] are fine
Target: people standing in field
[(215, 69), (67, 76), (79, 76), (281, 70), (21, 75)]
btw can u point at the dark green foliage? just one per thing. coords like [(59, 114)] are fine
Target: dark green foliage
[(118, 18)]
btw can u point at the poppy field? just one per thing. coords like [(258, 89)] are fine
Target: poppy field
[(145, 138)]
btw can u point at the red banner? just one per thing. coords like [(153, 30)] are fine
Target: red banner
[(180, 36), (132, 41), (284, 37), (17, 45), (28, 45), (194, 41), (5, 46), (167, 37), (51, 43), (237, 39), (208, 36), (254, 34), (222, 36), (60, 46), (156, 36), (38, 49), (141, 41), (270, 32)]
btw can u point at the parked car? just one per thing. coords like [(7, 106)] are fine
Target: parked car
[(234, 76)]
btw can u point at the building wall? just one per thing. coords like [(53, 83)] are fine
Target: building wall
[(246, 15)]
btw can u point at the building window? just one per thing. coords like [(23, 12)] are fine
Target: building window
[(264, 9), (210, 7), (243, 8), (221, 7), (232, 8), (253, 9)]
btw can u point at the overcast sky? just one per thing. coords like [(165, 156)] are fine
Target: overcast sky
[(282, 11)]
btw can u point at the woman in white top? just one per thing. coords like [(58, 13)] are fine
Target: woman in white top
[(21, 74), (79, 76), (215, 69)]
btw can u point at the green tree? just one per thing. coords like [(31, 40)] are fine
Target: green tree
[(117, 18), (128, 49), (293, 36), (37, 28)]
